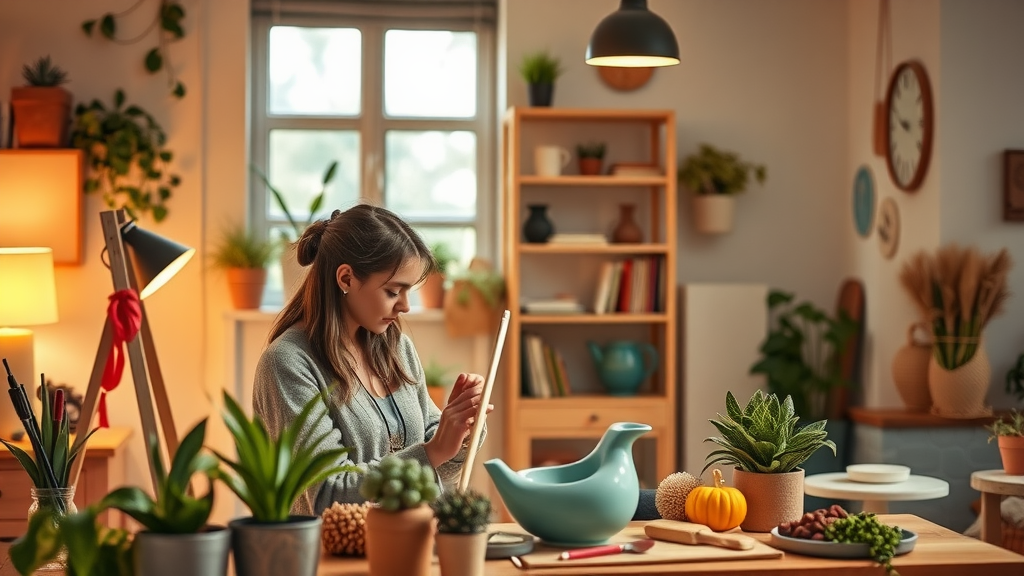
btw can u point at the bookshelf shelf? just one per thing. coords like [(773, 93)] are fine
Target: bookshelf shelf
[(590, 181), (569, 248), (610, 318)]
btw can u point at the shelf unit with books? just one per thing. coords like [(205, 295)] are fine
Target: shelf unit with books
[(568, 406)]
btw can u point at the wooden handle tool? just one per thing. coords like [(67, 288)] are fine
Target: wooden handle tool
[(690, 533)]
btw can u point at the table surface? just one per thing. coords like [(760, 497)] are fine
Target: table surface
[(838, 485), (997, 482)]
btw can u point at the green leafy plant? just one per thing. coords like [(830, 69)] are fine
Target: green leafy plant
[(488, 283), (714, 171), (763, 436), (43, 73), (168, 24), (466, 512), (444, 256), (540, 68), (397, 483), (1010, 425), (800, 357), (271, 473), (92, 548), (591, 150), (239, 248), (314, 205), (435, 374), (1015, 378), (124, 148), (865, 528)]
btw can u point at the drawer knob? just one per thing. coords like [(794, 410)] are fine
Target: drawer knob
[(594, 417)]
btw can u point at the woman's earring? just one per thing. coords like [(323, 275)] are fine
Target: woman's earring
[(344, 292)]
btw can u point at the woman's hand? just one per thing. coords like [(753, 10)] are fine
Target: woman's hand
[(456, 419)]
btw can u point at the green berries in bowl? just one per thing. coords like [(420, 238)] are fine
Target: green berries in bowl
[(399, 484)]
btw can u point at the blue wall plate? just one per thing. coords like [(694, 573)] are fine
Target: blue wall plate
[(863, 201)]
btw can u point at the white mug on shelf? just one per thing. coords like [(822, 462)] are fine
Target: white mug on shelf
[(549, 160)]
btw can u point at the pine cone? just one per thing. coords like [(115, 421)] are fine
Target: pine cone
[(670, 497), (344, 529)]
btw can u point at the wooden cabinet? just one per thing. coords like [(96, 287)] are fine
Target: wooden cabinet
[(104, 470), (567, 426)]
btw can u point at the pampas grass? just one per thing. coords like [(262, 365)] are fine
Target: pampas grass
[(957, 290)]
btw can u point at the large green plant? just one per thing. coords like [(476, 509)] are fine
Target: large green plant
[(124, 147), (800, 357), (714, 171), (271, 473), (314, 206), (763, 436)]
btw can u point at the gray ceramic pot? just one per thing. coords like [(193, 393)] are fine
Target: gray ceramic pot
[(200, 554), (273, 549)]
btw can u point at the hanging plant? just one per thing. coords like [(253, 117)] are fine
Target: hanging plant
[(168, 21), (124, 148)]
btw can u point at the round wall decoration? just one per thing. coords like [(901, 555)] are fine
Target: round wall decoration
[(911, 125), (863, 201), (888, 227), (624, 79)]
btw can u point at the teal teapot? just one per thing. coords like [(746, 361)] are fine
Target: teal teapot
[(622, 365)]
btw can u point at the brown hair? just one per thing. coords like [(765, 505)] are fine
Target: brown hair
[(370, 239)]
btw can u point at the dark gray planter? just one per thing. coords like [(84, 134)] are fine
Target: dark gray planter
[(276, 548), (199, 554)]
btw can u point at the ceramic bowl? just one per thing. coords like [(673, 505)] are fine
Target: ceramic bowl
[(877, 473)]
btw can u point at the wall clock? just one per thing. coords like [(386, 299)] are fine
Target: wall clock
[(863, 201), (911, 125), (888, 228)]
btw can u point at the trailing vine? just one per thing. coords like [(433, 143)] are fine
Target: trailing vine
[(167, 21)]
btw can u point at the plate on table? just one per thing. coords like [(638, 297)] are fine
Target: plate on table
[(878, 473), (834, 549)]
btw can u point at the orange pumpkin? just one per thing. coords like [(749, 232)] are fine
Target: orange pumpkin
[(718, 506)]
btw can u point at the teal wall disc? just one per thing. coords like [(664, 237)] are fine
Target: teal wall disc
[(863, 201)]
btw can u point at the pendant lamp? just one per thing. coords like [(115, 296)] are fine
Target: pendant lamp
[(633, 37)]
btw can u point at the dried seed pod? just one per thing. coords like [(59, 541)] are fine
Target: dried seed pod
[(670, 497), (344, 529)]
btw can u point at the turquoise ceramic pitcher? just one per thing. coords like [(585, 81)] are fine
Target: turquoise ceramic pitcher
[(623, 365)]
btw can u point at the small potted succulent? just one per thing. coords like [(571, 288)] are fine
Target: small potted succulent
[(462, 519), (42, 108), (244, 256), (400, 520), (1009, 433), (540, 69), (591, 157), (715, 176)]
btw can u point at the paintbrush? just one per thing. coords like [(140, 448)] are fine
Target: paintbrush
[(691, 533)]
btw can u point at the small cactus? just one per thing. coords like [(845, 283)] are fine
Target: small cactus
[(462, 512), (43, 73), (399, 484)]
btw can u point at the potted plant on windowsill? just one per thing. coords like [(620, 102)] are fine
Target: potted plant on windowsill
[(244, 257), (715, 176), (462, 519), (432, 289), (1009, 433), (591, 157), (436, 377), (540, 70), (42, 109)]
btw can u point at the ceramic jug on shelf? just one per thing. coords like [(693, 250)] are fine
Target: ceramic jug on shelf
[(622, 365)]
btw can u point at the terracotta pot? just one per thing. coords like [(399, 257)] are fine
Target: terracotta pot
[(400, 543), (771, 498), (713, 213), (246, 286), (960, 393), (590, 166), (439, 394), (432, 291), (42, 116), (1011, 450), (461, 554), (910, 372)]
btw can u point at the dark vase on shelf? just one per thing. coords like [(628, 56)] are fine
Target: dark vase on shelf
[(627, 231), (541, 94), (538, 228)]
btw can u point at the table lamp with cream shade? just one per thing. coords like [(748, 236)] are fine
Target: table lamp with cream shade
[(28, 297)]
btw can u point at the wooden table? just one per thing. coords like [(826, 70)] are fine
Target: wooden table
[(993, 485)]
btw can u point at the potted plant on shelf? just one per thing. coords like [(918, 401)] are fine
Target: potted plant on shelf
[(540, 70), (591, 157), (1009, 433), (432, 289), (766, 446), (42, 109), (714, 176), (400, 520), (436, 377), (292, 272), (125, 151), (462, 519), (245, 257), (269, 476), (473, 304)]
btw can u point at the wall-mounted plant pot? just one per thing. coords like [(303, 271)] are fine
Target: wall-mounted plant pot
[(541, 94), (713, 213), (41, 117)]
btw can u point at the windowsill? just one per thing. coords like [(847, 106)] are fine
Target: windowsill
[(433, 315)]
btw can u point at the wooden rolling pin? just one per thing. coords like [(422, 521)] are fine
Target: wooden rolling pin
[(690, 533)]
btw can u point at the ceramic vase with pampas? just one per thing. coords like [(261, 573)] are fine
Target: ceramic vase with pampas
[(958, 291)]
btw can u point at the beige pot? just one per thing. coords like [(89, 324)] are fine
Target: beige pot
[(400, 543), (910, 371), (713, 213), (461, 554), (292, 273), (771, 498), (246, 286), (432, 291), (960, 393)]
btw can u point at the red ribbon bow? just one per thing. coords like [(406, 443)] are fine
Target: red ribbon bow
[(125, 315)]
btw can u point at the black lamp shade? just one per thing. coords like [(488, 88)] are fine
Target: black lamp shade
[(633, 37), (155, 258)]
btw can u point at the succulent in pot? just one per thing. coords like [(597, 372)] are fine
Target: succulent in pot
[(591, 156), (462, 519), (41, 108)]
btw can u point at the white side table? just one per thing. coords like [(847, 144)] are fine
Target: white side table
[(876, 497), (993, 485)]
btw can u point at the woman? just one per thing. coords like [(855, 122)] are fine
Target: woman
[(341, 332)]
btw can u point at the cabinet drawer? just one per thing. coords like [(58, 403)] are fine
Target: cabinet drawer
[(588, 421), (15, 496)]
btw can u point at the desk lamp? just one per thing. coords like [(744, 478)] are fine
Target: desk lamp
[(633, 37), (28, 297)]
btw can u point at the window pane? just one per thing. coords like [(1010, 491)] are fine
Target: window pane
[(430, 174), (298, 162), (315, 71), (430, 73), (462, 242)]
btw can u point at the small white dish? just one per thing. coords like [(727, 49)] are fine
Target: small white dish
[(878, 473)]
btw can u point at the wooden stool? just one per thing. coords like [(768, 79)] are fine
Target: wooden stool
[(993, 485)]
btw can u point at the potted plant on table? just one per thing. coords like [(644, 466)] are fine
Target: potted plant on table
[(41, 109), (590, 156), (462, 519), (432, 289), (1009, 433), (540, 70), (245, 257), (269, 476), (715, 176), (766, 446), (400, 520)]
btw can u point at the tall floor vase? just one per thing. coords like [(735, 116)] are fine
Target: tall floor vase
[(960, 393)]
